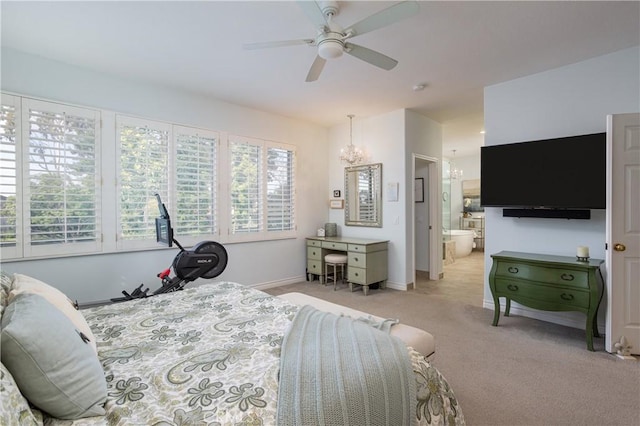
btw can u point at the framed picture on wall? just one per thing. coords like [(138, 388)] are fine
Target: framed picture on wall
[(418, 188), (336, 204)]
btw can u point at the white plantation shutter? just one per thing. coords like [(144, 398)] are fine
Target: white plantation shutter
[(143, 171), (366, 193), (245, 190), (261, 190), (196, 156), (10, 220), (280, 189), (61, 190), (51, 198)]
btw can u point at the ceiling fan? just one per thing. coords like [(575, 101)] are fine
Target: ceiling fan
[(331, 39)]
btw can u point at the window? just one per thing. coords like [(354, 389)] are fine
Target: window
[(280, 189), (49, 179), (143, 172), (52, 200), (246, 186), (196, 156), (10, 221), (262, 195)]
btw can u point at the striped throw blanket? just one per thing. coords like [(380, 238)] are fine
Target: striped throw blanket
[(338, 371)]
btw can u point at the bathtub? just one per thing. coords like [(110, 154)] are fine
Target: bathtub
[(463, 239)]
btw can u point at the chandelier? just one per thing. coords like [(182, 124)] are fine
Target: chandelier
[(351, 154), (454, 173)]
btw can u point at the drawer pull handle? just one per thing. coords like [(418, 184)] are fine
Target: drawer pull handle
[(356, 274), (567, 277), (355, 259), (513, 269), (565, 296), (314, 253), (512, 287)]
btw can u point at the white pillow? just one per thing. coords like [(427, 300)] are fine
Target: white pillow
[(26, 284)]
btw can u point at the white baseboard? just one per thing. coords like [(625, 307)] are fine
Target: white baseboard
[(399, 286), (278, 283), (294, 280), (569, 319)]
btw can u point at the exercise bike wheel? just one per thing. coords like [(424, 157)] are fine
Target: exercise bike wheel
[(218, 250), (207, 259)]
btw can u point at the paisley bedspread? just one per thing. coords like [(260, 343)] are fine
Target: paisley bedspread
[(209, 355)]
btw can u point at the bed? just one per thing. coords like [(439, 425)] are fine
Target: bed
[(209, 354)]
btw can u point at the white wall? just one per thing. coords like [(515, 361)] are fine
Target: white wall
[(382, 139), (388, 139), (566, 101), (423, 137), (91, 278)]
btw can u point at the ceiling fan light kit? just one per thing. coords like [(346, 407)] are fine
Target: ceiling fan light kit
[(330, 49), (331, 38)]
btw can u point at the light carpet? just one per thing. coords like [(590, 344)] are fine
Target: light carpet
[(523, 372)]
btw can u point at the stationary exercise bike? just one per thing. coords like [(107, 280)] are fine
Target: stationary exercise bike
[(207, 259)]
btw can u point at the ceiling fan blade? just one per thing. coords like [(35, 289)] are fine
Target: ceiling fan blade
[(370, 56), (313, 12), (268, 44), (385, 17), (316, 69)]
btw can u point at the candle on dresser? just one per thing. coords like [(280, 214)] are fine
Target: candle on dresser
[(583, 251)]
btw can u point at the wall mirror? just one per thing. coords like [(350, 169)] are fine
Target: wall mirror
[(363, 195)]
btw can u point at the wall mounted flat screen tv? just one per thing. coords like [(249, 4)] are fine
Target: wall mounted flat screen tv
[(562, 173)]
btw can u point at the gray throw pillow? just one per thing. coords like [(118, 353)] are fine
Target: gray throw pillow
[(55, 369)]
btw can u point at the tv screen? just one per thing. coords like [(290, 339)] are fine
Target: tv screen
[(562, 173)]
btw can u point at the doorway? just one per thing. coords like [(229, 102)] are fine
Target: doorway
[(426, 218)]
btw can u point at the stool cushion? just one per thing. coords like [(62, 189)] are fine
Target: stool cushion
[(335, 258)]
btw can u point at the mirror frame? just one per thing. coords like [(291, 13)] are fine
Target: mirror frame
[(376, 169)]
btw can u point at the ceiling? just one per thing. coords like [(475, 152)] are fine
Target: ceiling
[(455, 48)]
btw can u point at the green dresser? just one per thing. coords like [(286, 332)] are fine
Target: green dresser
[(366, 259), (549, 283)]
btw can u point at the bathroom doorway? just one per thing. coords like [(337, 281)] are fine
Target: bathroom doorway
[(463, 236)]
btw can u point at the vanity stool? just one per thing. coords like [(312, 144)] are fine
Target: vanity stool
[(334, 260)]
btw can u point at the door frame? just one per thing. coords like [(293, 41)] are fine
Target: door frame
[(435, 216)]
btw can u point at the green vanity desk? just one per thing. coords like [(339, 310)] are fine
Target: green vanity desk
[(366, 259), (550, 283)]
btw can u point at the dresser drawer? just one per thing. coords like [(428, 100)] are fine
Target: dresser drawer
[(334, 246), (566, 277), (314, 267), (367, 248), (359, 260), (314, 253), (356, 275), (543, 293), (314, 243)]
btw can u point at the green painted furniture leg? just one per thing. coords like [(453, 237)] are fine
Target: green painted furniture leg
[(496, 310)]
